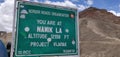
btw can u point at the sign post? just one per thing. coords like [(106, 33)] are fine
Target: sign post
[(43, 30)]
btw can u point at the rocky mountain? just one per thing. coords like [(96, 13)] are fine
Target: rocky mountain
[(95, 13), (99, 33), (5, 37)]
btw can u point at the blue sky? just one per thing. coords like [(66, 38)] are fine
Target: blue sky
[(103, 4), (1, 1), (110, 5), (7, 6), (107, 4)]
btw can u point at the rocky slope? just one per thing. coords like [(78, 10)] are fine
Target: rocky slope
[(5, 37), (99, 33)]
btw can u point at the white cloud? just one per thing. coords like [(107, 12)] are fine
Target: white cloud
[(65, 3), (82, 7), (114, 12), (6, 15), (68, 3), (89, 2)]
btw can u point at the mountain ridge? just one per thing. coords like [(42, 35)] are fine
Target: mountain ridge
[(101, 14)]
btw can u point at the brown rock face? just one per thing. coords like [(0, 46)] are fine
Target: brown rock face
[(5, 37), (100, 14), (99, 33)]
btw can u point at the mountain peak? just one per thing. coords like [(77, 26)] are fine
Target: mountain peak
[(92, 8), (101, 14), (94, 11)]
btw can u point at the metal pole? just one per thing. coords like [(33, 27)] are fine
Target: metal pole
[(13, 31), (78, 30)]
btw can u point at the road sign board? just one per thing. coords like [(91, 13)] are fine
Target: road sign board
[(43, 29)]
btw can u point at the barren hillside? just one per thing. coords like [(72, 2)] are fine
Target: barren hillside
[(99, 33)]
